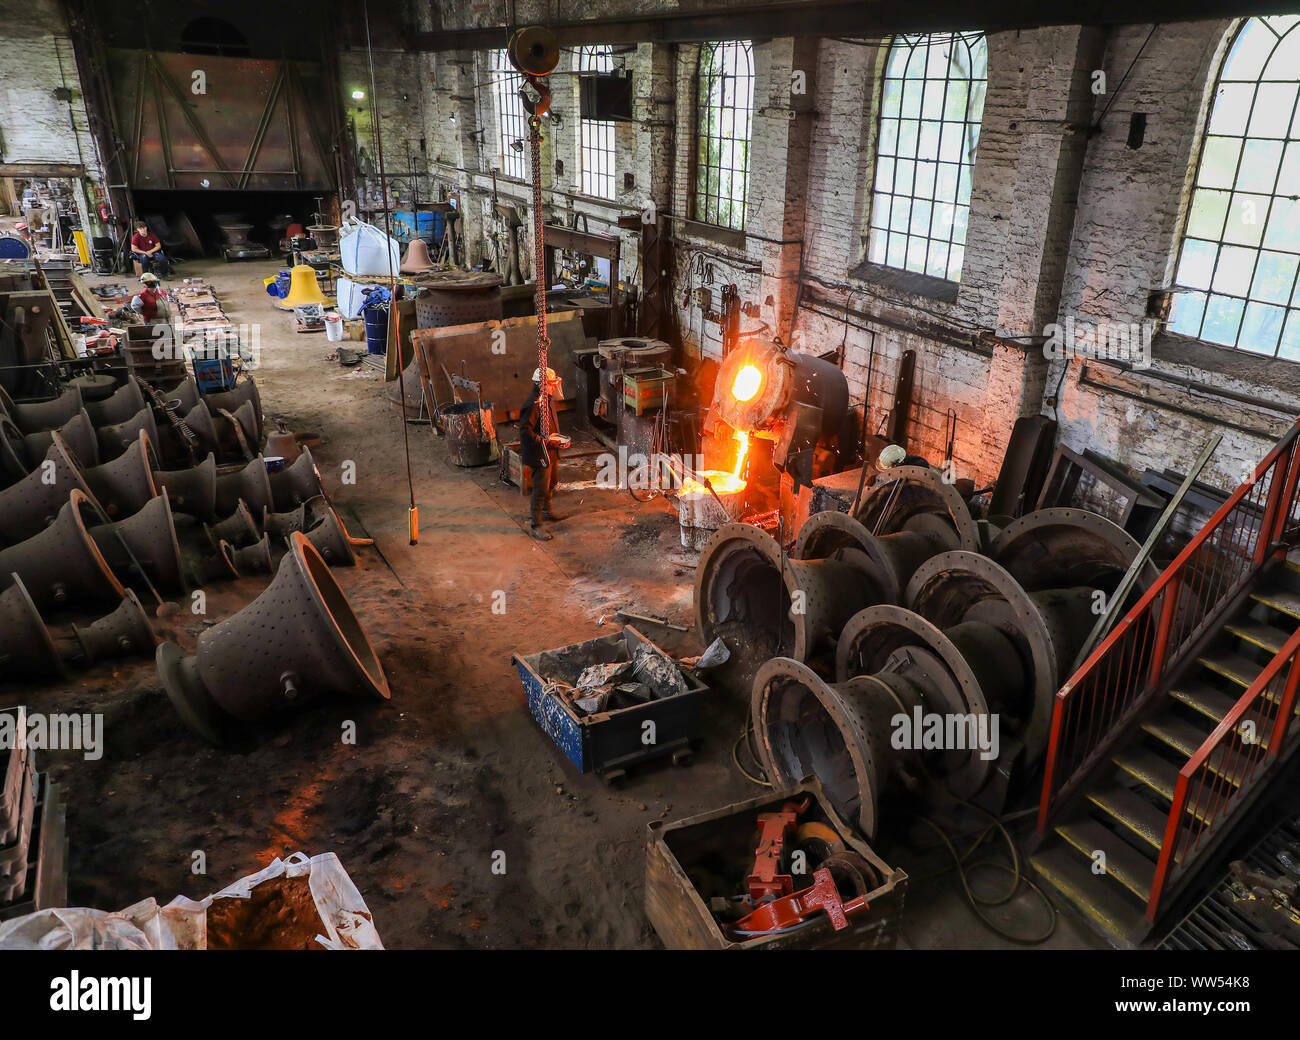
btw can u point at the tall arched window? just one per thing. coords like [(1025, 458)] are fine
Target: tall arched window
[(511, 126), (1241, 247), (724, 110), (596, 136), (932, 101)]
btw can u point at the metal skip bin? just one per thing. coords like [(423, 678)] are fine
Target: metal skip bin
[(609, 740)]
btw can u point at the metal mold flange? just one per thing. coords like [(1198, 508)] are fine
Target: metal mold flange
[(959, 587), (1063, 548), (890, 560), (837, 732), (916, 498), (745, 589), (951, 673)]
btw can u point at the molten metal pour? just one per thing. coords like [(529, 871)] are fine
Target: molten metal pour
[(723, 483)]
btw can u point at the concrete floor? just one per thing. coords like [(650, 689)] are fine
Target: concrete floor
[(453, 769)]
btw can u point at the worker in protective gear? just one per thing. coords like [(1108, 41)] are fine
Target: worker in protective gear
[(150, 302), (541, 455)]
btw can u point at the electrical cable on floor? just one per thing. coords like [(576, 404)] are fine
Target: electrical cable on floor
[(745, 734), (412, 512), (964, 869)]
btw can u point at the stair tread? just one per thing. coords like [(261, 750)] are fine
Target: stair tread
[(1259, 633), (1132, 811), (1111, 907), (1145, 765), (1233, 666), (1280, 599), (1160, 775), (1123, 862), (1208, 700), (1187, 738)]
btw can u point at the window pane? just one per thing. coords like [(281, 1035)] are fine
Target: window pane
[(1259, 165), (1235, 269), (1196, 266), (1274, 106), (1246, 217), (724, 103), (1250, 51), (1189, 308), (1222, 319), (1232, 108), (1283, 230), (1209, 209), (1275, 277), (1261, 328), (936, 85), (1290, 345), (1219, 162)]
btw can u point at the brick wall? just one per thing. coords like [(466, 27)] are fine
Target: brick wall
[(35, 127)]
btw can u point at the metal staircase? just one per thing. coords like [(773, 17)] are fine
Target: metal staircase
[(1181, 718)]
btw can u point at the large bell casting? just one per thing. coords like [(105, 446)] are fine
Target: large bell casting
[(298, 638)]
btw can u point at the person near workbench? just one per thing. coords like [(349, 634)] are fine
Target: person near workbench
[(147, 251), (150, 302), (541, 455)]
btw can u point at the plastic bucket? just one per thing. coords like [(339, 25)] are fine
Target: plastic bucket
[(376, 329), (334, 328)]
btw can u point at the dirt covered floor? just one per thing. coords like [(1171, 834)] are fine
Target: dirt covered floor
[(452, 771)]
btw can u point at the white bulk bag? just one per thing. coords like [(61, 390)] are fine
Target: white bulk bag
[(361, 251), (352, 296)]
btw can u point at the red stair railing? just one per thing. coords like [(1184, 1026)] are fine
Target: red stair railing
[(1094, 707), (1246, 745)]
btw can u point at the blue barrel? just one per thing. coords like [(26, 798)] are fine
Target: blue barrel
[(376, 329)]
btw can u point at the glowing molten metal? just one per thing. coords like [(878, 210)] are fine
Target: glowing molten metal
[(746, 384), (723, 483)]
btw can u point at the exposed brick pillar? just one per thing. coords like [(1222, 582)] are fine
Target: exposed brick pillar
[(785, 91), (1053, 142)]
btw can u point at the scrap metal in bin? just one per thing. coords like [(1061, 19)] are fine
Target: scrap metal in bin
[(610, 739)]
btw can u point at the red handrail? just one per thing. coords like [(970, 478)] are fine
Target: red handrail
[(1136, 655), (1208, 790)]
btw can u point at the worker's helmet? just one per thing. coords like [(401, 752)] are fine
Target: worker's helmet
[(149, 278), (890, 457), (537, 375)]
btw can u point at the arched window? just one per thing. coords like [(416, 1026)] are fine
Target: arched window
[(931, 104), (512, 128), (724, 109), (1241, 246), (596, 136)]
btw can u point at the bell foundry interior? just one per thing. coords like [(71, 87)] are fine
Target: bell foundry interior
[(671, 476)]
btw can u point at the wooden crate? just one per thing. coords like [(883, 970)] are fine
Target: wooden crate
[(698, 845)]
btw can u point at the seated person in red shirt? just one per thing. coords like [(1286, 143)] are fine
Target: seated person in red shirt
[(147, 251)]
